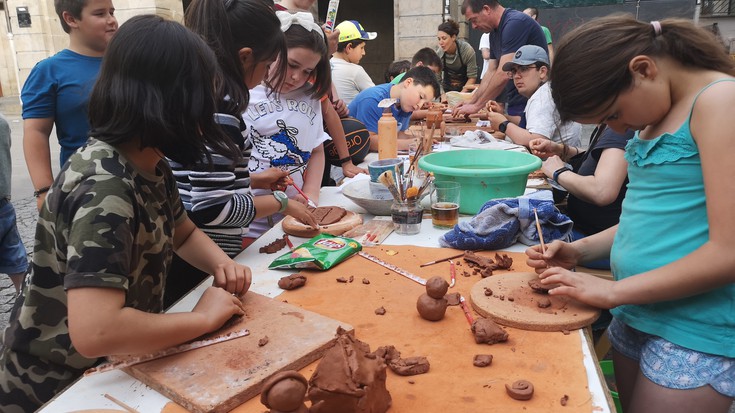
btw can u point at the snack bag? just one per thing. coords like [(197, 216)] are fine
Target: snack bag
[(322, 252)]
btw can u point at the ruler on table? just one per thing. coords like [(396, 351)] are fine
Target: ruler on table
[(392, 267), (167, 352)]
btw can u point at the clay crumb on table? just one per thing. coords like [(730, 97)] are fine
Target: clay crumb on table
[(488, 332), (380, 311), (263, 341)]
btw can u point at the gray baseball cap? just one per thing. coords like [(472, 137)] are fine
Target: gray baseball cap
[(528, 55)]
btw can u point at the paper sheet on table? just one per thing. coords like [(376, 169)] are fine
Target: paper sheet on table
[(481, 139)]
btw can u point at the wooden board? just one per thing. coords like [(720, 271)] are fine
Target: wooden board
[(523, 311), (220, 377)]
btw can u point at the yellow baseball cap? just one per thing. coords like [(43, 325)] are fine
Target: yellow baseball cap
[(352, 30)]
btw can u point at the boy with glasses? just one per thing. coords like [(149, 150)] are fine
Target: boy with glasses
[(529, 71)]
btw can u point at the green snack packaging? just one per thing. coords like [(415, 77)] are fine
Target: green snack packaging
[(322, 252)]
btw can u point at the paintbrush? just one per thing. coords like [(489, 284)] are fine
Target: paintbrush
[(441, 260), (386, 178), (308, 201), (540, 233), (400, 183)]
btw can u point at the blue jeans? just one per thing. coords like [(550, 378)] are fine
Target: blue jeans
[(13, 257)]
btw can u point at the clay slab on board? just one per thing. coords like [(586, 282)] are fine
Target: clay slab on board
[(222, 376), (519, 306)]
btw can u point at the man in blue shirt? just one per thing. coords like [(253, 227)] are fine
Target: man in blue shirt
[(509, 30)]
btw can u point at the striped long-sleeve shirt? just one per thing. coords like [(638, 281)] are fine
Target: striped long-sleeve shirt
[(218, 199)]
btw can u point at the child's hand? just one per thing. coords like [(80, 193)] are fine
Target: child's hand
[(493, 106), (543, 148), (583, 287), (341, 108), (349, 170), (551, 165), (271, 178), (233, 277), (558, 254), (217, 306), (301, 213)]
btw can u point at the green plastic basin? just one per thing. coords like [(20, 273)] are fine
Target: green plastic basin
[(608, 370), (483, 174)]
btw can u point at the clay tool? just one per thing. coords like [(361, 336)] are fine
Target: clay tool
[(392, 267), (466, 311), (441, 260), (308, 201), (540, 233), (121, 404), (167, 352), (452, 273), (288, 242), (386, 178)]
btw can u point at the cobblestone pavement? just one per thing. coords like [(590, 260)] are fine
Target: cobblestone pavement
[(27, 215)]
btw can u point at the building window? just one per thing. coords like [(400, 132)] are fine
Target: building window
[(713, 8)]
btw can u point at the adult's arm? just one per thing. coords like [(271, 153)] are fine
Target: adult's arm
[(601, 188), (490, 87), (37, 151)]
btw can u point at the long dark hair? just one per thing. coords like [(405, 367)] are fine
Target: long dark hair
[(591, 61), (155, 85), (230, 26)]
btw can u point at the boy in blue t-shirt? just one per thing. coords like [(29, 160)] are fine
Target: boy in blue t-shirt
[(418, 86), (57, 89)]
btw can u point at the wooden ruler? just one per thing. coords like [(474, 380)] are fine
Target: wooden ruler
[(167, 352), (392, 267)]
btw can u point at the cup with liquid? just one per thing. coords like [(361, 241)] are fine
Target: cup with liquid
[(445, 204)]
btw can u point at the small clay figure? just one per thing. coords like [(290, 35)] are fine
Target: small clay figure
[(432, 305), (292, 282), (487, 331), (482, 360), (431, 309), (520, 390), (284, 393)]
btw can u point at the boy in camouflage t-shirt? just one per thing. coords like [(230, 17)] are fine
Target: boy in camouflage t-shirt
[(113, 219)]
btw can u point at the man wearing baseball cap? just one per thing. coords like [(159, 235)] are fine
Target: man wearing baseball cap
[(529, 71), (348, 77)]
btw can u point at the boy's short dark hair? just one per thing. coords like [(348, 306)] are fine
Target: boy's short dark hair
[(341, 46), (423, 76), (396, 68), (74, 7), (428, 57)]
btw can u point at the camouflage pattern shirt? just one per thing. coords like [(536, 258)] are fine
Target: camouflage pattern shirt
[(104, 224)]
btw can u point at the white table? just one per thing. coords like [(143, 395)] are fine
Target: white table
[(88, 392)]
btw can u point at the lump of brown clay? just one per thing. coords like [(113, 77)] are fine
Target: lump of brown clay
[(388, 353), (520, 390), (564, 400), (263, 341), (380, 310), (284, 393), (436, 287), (349, 379), (274, 246), (482, 360), (544, 303), (487, 331), (452, 298), (537, 287), (292, 282), (431, 309), (410, 366)]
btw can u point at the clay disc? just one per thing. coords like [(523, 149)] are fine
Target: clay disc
[(523, 311), (293, 227)]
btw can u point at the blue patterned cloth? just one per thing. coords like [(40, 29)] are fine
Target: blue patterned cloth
[(503, 222)]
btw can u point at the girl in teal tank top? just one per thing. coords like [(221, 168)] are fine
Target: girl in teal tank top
[(673, 298)]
